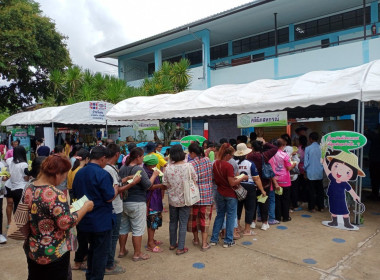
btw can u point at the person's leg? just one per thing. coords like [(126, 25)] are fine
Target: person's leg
[(320, 194), (123, 234), (183, 216), (240, 211), (218, 223), (9, 209), (278, 207), (137, 218), (312, 196), (231, 207), (193, 222), (272, 205), (101, 246), (264, 208), (91, 241), (1, 215), (114, 238), (82, 250), (173, 225), (205, 214), (294, 194), (16, 194), (285, 203), (249, 206)]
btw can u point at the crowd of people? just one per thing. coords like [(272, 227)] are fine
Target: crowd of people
[(125, 196)]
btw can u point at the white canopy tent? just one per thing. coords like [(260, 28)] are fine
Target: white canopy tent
[(314, 88), (76, 114)]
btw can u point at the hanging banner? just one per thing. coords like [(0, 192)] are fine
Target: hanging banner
[(187, 140), (145, 125), (262, 119), (31, 130), (98, 110), (19, 132)]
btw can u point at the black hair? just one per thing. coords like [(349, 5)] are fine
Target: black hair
[(40, 140), (113, 149), (195, 148), (75, 149), (240, 159), (314, 136), (84, 154), (252, 136), (354, 170), (167, 152), (287, 139), (134, 153), (131, 146), (176, 153), (303, 141), (36, 164), (223, 140), (98, 152), (257, 146), (19, 154), (242, 139), (280, 143), (58, 149), (207, 144)]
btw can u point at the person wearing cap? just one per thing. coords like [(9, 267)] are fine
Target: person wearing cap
[(340, 169), (150, 149), (248, 168), (153, 202)]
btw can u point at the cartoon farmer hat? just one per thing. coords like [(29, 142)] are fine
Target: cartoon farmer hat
[(350, 159)]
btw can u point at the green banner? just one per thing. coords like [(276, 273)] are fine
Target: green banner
[(343, 141), (187, 140)]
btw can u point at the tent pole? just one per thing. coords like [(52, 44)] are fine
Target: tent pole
[(361, 154), (106, 128), (191, 126), (357, 125)]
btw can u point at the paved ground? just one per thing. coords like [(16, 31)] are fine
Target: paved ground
[(305, 249)]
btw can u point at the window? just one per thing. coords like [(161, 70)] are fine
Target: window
[(332, 23), (151, 68), (261, 41), (173, 59), (194, 57), (258, 57), (241, 60), (325, 43), (219, 51)]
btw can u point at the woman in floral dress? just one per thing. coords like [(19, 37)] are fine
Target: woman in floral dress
[(48, 245)]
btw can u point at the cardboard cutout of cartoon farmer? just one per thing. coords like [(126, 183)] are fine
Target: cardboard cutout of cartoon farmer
[(341, 166)]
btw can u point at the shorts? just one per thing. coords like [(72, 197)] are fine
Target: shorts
[(200, 218), (154, 221), (133, 218), (16, 195)]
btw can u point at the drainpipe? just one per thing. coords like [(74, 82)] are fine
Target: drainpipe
[(275, 34), (203, 54), (364, 22)]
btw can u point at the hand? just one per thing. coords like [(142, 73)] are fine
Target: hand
[(155, 173), (136, 180), (277, 187), (264, 193), (245, 178), (89, 205)]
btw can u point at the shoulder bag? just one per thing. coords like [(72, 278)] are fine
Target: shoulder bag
[(241, 193), (267, 170), (190, 190), (19, 227)]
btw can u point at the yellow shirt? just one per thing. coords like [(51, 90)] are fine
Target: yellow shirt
[(161, 161), (71, 176), (67, 150)]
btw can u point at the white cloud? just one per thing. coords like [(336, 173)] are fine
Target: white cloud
[(95, 26)]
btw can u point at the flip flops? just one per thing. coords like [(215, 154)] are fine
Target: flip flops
[(250, 233), (173, 247), (123, 255), (82, 266), (157, 242), (142, 257), (204, 249), (181, 252), (195, 243), (116, 270), (155, 249)]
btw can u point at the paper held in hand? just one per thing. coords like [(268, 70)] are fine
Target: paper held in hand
[(262, 198), (159, 171), (240, 176), (137, 174), (78, 204)]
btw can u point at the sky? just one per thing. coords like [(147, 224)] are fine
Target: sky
[(96, 26)]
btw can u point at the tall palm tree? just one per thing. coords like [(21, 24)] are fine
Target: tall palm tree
[(74, 79), (57, 86)]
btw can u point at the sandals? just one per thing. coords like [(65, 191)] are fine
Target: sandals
[(142, 257), (116, 270), (173, 247), (123, 255), (155, 249), (157, 242), (204, 249), (250, 233), (195, 243), (181, 252), (82, 266)]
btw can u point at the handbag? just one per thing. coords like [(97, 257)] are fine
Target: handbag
[(19, 227), (241, 192), (267, 170), (190, 190)]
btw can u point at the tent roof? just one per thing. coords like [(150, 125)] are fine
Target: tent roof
[(313, 88), (75, 114)]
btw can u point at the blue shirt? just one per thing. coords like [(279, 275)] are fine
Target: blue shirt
[(96, 184), (312, 162)]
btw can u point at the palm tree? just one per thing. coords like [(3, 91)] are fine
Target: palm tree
[(179, 75), (57, 86), (74, 79)]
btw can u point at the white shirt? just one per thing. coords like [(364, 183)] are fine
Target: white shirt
[(17, 175), (117, 203), (1, 182)]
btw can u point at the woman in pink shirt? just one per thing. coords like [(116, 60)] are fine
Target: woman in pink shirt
[(281, 166)]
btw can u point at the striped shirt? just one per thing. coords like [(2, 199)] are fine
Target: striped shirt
[(203, 168)]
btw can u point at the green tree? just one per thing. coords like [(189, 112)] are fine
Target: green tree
[(30, 48)]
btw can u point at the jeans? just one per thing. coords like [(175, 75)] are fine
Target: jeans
[(178, 215), (249, 204), (226, 205), (272, 205), (114, 239), (100, 245), (82, 250), (316, 194)]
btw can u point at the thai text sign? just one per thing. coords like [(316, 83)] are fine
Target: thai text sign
[(98, 110), (145, 125), (343, 140), (262, 119)]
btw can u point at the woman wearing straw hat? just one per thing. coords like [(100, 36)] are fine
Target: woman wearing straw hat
[(248, 168), (340, 169)]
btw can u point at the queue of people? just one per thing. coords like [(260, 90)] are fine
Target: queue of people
[(130, 199)]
